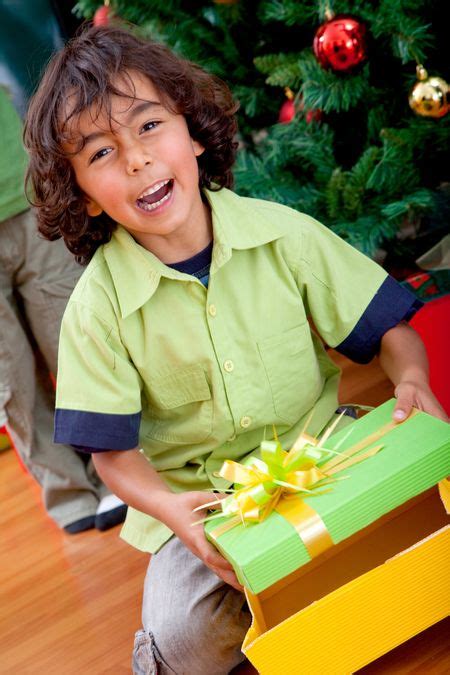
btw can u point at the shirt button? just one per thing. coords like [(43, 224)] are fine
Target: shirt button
[(232, 438), (212, 309), (245, 421), (228, 366)]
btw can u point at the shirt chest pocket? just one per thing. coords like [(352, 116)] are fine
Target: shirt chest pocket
[(180, 407), (293, 372)]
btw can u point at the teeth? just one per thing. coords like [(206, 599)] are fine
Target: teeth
[(154, 188), (151, 207)]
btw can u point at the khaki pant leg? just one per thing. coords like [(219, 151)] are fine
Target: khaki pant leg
[(44, 281), (193, 623), (70, 489)]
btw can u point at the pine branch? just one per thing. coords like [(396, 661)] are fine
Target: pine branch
[(377, 118), (301, 144), (409, 35), (286, 76), (417, 202), (327, 91), (346, 191), (252, 99), (396, 170), (360, 8), (333, 193), (257, 177), (355, 190), (429, 136), (269, 62), (367, 233), (289, 12)]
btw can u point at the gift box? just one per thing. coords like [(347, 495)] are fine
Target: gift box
[(372, 582), (358, 600), (414, 457)]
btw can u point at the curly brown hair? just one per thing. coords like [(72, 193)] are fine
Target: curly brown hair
[(86, 69)]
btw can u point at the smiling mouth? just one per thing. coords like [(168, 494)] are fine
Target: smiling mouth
[(155, 198)]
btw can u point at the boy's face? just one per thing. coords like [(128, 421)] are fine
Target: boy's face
[(141, 169)]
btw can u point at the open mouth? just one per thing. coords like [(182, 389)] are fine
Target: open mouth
[(156, 195)]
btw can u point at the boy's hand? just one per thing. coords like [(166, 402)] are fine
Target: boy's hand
[(419, 395), (404, 360), (179, 517)]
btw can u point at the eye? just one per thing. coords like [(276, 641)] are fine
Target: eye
[(99, 154), (148, 126)]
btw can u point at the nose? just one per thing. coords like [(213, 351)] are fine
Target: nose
[(136, 159)]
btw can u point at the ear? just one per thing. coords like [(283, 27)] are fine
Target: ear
[(92, 207), (197, 148)]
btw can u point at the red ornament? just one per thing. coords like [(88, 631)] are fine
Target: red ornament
[(313, 116), (102, 15), (340, 43), (287, 110), (290, 107)]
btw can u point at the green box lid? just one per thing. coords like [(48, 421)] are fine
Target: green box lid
[(415, 456)]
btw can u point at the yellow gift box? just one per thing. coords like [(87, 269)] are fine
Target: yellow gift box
[(339, 573), (359, 599)]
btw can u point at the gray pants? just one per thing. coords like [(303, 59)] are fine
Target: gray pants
[(194, 623), (36, 279)]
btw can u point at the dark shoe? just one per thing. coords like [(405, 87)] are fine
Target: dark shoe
[(81, 525), (111, 511), (107, 519)]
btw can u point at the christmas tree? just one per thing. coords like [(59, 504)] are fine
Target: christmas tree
[(351, 151)]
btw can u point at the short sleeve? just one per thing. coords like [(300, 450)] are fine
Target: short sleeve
[(98, 395), (350, 298)]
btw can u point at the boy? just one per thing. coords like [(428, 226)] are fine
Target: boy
[(187, 335)]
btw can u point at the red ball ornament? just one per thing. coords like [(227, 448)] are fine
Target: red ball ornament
[(340, 43), (287, 110), (313, 116), (102, 15)]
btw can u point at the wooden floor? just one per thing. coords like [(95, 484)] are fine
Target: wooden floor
[(69, 605)]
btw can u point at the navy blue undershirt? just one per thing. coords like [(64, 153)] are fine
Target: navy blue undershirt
[(197, 266)]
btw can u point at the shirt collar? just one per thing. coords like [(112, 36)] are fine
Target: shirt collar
[(136, 273), (238, 224)]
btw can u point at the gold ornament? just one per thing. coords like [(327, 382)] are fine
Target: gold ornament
[(429, 96)]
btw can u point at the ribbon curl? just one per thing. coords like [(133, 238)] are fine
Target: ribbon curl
[(260, 483)]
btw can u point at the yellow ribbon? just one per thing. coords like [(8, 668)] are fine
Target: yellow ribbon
[(444, 492), (277, 480), (273, 483)]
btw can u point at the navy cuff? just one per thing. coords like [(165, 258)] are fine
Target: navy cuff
[(89, 451), (391, 304), (93, 432)]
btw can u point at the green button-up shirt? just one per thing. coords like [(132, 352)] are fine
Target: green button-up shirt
[(202, 372)]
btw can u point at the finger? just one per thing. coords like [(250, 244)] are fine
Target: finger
[(212, 557), (221, 495), (431, 405), (218, 564), (229, 578), (206, 502), (404, 404)]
